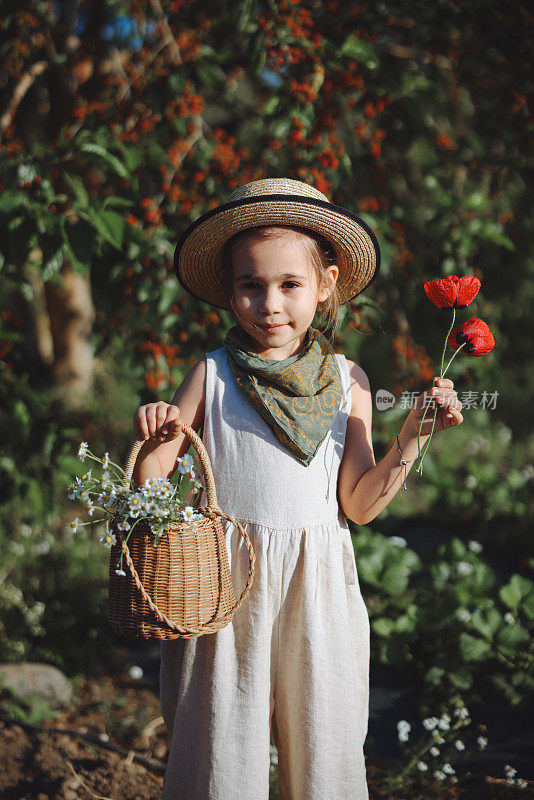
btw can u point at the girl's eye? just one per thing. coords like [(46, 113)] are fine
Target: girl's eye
[(291, 284)]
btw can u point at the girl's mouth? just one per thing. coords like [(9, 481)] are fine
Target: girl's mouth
[(273, 328)]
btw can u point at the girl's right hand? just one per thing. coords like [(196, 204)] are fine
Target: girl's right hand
[(157, 421)]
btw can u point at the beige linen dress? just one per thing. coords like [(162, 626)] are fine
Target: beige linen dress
[(294, 660)]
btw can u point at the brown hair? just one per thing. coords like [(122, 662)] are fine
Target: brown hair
[(322, 255)]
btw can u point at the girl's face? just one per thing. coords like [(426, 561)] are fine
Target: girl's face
[(276, 293)]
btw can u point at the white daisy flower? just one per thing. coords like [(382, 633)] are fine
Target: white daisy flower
[(463, 615), (509, 618), (439, 775), (482, 742), (448, 769), (189, 514), (135, 504), (82, 451), (74, 524), (509, 771), (430, 723), (105, 461), (108, 539), (444, 722), (136, 672), (124, 525), (462, 713), (86, 476), (437, 738), (422, 766), (434, 751), (403, 729), (105, 480), (521, 783), (185, 463), (459, 744), (120, 572), (464, 568), (474, 546), (90, 507)]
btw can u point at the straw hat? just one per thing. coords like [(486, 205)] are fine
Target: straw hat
[(275, 201)]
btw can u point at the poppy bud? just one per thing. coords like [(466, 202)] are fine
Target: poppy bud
[(476, 333)]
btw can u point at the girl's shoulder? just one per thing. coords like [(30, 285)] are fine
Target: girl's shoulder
[(360, 388)]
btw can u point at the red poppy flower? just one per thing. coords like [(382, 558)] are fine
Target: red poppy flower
[(452, 292), (476, 333)]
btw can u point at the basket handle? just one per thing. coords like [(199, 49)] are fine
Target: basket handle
[(211, 513), (201, 451)]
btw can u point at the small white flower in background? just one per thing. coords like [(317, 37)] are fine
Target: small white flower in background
[(437, 738), (108, 539), (90, 507), (151, 507), (453, 779), (86, 476), (135, 672), (185, 463), (463, 615), (509, 618), (105, 461), (509, 771), (439, 775), (471, 481), (434, 751), (74, 524), (464, 568), (398, 540), (120, 572), (482, 742), (82, 450), (459, 744), (474, 546), (403, 729), (430, 723), (521, 783), (462, 713), (422, 766), (448, 769), (444, 722), (150, 483), (123, 525)]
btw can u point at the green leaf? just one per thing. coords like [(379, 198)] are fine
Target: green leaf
[(461, 678), (359, 50), (77, 237), (383, 626), (92, 149), (512, 635), (52, 264), (395, 579), (110, 225), (472, 648), (528, 605), (486, 622), (515, 590), (78, 189)]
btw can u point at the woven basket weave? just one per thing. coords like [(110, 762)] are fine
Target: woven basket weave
[(182, 587)]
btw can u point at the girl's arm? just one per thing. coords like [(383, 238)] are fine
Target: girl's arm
[(158, 458), (364, 487)]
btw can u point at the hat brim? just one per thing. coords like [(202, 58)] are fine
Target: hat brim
[(197, 258)]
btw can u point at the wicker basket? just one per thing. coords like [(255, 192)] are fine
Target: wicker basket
[(182, 587)]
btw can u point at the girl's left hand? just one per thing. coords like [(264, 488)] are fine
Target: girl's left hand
[(449, 408)]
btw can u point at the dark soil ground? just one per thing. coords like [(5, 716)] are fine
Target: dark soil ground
[(122, 713)]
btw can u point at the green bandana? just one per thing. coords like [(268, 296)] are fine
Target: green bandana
[(298, 397)]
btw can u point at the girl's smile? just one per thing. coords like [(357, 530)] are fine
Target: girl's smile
[(275, 293)]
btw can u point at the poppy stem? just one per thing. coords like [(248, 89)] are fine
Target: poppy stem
[(421, 455)]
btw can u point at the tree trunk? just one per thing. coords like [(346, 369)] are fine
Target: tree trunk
[(72, 314)]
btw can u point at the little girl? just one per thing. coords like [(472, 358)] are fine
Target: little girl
[(287, 425)]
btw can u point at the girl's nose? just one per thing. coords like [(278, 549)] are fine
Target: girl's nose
[(270, 301)]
